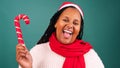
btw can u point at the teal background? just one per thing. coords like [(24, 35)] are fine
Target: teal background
[(101, 19)]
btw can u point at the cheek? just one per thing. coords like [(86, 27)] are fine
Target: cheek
[(59, 27), (77, 30)]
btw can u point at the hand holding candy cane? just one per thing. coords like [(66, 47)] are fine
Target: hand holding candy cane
[(17, 26)]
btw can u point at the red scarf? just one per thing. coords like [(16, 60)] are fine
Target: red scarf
[(73, 53)]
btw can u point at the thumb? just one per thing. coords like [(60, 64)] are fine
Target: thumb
[(25, 46)]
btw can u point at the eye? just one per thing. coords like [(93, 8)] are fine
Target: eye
[(65, 20), (75, 23)]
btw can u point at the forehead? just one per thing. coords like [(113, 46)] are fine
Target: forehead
[(71, 12)]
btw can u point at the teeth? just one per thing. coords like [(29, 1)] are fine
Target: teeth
[(68, 31)]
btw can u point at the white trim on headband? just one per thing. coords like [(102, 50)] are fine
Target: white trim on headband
[(74, 5)]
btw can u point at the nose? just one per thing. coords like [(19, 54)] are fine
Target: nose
[(70, 26)]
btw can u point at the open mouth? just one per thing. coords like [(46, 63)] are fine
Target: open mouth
[(67, 33)]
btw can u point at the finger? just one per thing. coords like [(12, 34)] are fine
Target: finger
[(20, 46), (21, 55), (18, 57), (21, 51)]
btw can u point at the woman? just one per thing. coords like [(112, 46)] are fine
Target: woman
[(61, 46)]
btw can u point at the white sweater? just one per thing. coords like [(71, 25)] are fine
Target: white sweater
[(44, 57)]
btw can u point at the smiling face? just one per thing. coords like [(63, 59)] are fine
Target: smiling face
[(68, 25)]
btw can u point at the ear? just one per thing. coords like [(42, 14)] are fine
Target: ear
[(55, 25)]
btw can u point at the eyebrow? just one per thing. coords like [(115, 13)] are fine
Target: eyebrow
[(68, 18)]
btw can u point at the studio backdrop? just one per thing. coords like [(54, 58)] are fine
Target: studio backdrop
[(101, 19)]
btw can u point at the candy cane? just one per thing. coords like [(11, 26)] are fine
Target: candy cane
[(17, 26)]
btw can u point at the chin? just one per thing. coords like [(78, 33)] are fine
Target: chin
[(66, 42)]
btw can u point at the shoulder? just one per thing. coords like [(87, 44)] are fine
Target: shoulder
[(39, 47), (38, 52), (92, 60)]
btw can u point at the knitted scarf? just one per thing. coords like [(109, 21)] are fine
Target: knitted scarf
[(73, 53)]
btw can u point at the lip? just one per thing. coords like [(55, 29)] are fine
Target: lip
[(68, 31), (67, 34)]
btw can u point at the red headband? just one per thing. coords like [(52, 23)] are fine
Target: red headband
[(66, 4)]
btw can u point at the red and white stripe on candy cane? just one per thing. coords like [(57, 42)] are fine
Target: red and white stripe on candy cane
[(17, 26)]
